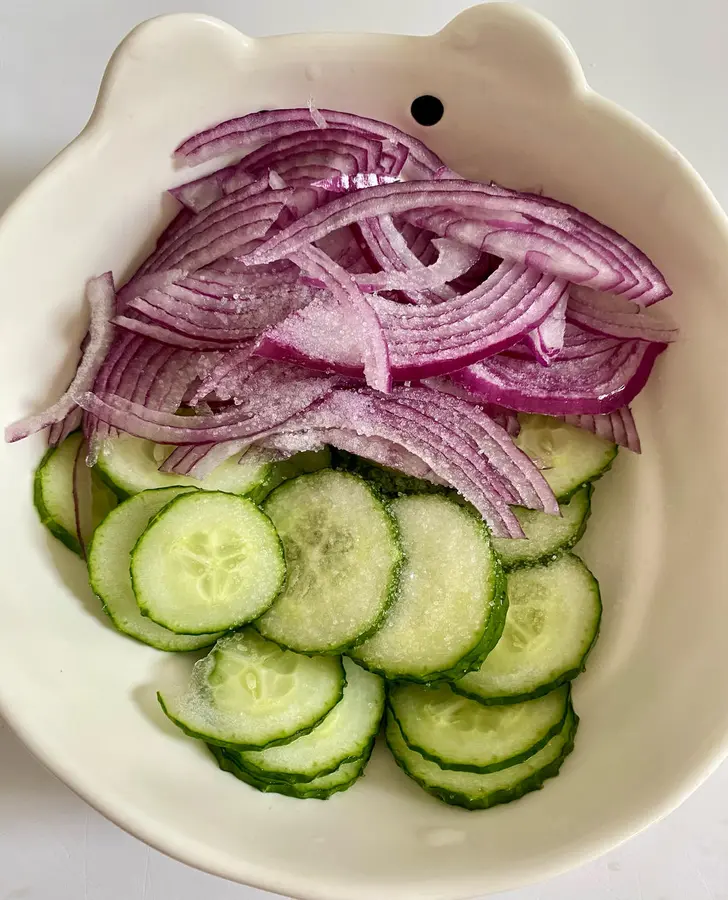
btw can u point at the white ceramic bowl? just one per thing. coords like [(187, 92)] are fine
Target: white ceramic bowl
[(653, 707)]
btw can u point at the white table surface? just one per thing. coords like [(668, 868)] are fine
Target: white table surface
[(664, 60)]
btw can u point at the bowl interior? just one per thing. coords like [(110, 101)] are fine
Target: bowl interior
[(654, 721)]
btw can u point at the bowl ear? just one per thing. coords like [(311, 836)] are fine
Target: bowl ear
[(517, 44), (164, 57)]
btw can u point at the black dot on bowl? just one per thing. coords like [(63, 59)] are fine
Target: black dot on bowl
[(427, 110)]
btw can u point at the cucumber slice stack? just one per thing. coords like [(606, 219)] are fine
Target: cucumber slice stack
[(465, 645)]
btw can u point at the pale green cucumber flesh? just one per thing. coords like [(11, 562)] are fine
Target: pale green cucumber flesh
[(546, 534), (474, 791), (130, 464), (209, 561), (341, 737), (459, 733), (53, 494), (108, 562), (248, 693), (343, 559), (552, 623), (450, 607), (567, 456)]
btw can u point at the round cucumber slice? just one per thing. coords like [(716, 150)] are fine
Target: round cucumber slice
[(130, 464), (545, 534), (209, 561), (458, 733), (552, 623), (567, 456), (343, 736), (320, 788), (71, 518), (473, 791), (450, 608), (248, 693), (108, 566), (343, 559), (53, 492)]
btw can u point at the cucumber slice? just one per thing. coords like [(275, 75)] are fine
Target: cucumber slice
[(108, 566), (343, 560), (552, 623), (248, 693), (208, 561), (304, 463), (342, 737), (458, 733), (567, 456), (130, 465), (320, 788), (473, 791), (545, 534), (72, 521), (451, 605), (389, 481)]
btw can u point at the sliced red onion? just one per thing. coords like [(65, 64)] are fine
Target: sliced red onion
[(250, 420), (590, 385), (404, 271), (423, 342), (275, 181), (452, 262), (395, 158), (216, 321), (616, 317), (393, 253), (618, 427), (447, 455), (228, 277), (385, 453), (318, 119), (226, 236), (164, 335), (199, 460), (419, 240), (59, 431), (342, 184), (101, 298), (357, 315), (326, 205), (249, 194), (123, 348), (491, 440), (522, 228), (578, 344), (145, 372), (180, 221), (506, 418), (202, 192), (346, 151), (271, 124), (236, 365), (251, 205), (546, 341), (650, 288), (287, 444), (343, 247)]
